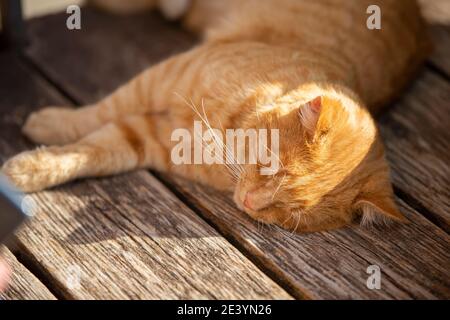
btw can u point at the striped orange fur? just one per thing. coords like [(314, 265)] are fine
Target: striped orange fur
[(311, 69)]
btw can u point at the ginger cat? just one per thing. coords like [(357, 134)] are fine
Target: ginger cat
[(311, 69)]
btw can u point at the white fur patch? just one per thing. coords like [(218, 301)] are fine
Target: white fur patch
[(370, 216)]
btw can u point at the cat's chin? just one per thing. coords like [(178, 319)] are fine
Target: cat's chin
[(238, 203), (238, 197)]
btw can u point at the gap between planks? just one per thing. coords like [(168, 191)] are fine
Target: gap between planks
[(24, 285)]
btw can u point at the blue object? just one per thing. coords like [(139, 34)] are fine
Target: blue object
[(13, 211)]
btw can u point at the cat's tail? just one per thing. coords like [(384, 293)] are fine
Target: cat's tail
[(394, 53)]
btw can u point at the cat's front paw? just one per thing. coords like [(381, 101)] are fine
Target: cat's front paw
[(51, 126), (29, 171)]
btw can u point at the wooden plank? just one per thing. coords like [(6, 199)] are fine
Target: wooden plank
[(23, 284), (416, 129), (417, 138), (327, 265), (441, 55), (121, 238)]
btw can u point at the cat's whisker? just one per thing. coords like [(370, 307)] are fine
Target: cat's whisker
[(288, 218), (257, 226), (230, 161), (279, 186), (285, 229), (230, 170), (262, 224), (220, 142), (228, 153), (227, 150), (276, 155), (235, 172), (256, 111), (298, 214)]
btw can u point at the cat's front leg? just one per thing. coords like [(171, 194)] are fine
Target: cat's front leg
[(60, 125), (117, 147)]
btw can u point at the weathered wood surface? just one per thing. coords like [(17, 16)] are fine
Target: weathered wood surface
[(414, 257), (328, 265), (120, 238), (23, 284), (416, 128), (417, 137)]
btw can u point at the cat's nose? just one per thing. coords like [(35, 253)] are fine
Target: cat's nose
[(251, 202), (258, 199)]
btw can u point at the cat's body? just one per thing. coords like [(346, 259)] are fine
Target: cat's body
[(297, 66)]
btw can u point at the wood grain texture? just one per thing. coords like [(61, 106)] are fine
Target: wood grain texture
[(417, 138), (414, 257), (332, 265), (23, 284), (128, 238), (416, 128), (122, 238)]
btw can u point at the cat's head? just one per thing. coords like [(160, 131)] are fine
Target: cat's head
[(332, 169)]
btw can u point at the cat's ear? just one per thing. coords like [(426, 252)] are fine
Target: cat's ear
[(378, 209), (376, 199), (309, 114)]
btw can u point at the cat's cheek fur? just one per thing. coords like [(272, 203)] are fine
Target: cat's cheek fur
[(237, 199), (269, 216)]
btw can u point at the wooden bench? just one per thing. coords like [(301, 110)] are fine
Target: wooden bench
[(150, 235)]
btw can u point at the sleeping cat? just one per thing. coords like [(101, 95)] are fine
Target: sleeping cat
[(311, 69)]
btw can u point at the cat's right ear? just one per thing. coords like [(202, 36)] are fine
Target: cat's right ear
[(309, 114)]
